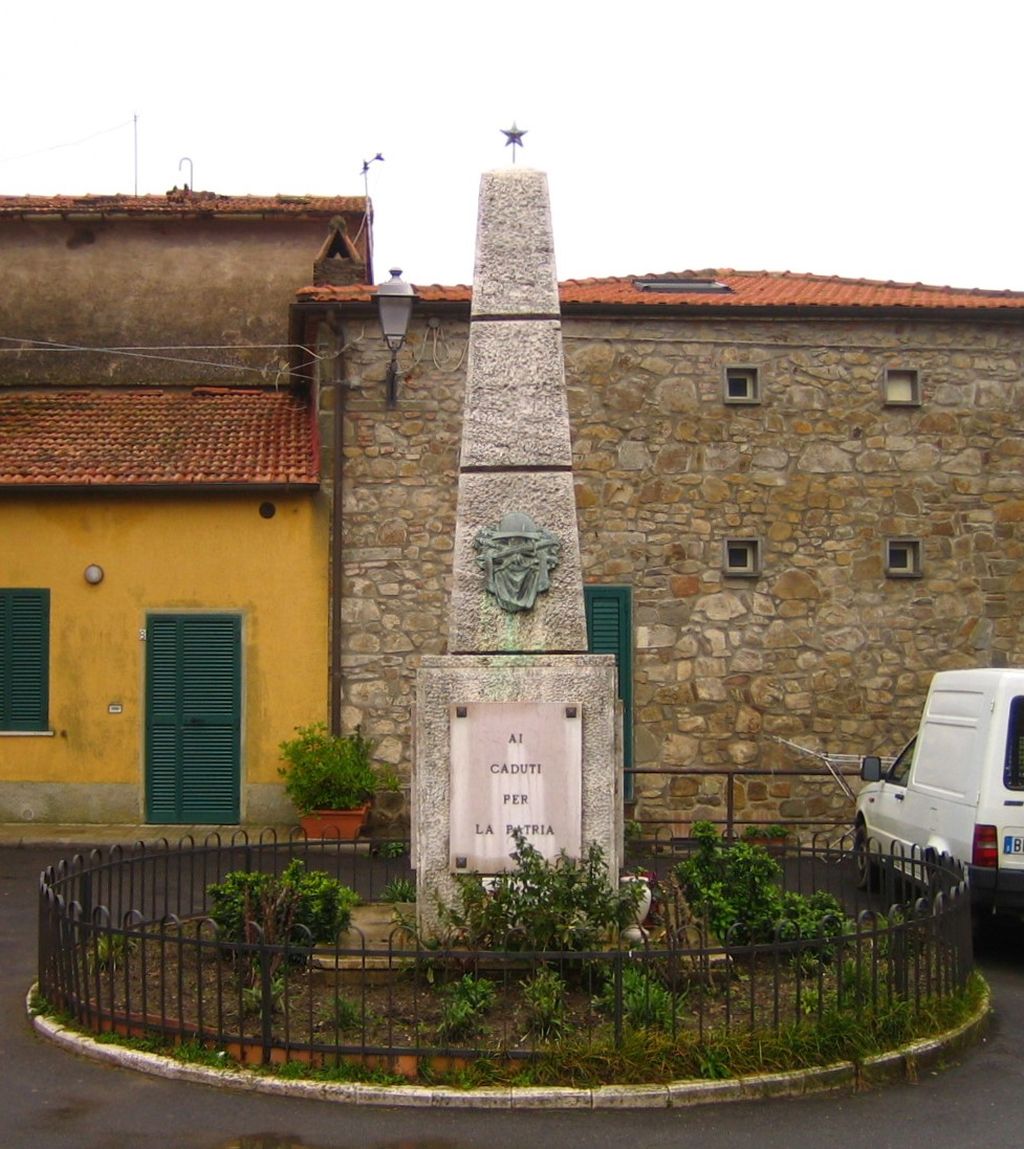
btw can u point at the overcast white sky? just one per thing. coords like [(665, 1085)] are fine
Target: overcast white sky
[(864, 139)]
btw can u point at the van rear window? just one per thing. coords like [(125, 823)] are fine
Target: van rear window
[(1013, 769)]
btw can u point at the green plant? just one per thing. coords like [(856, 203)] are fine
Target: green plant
[(294, 908), (399, 890), (326, 771), (252, 995), (590, 1058), (392, 849), (855, 985), (347, 1014), (646, 1002), (817, 915), (567, 904), (109, 951), (773, 833), (195, 1052), (712, 1063), (732, 884), (291, 1071), (737, 888), (388, 779), (545, 999), (465, 1002)]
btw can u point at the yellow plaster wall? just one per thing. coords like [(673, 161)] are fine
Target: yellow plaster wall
[(204, 553)]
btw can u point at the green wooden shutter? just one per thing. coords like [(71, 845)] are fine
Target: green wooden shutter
[(610, 631), (163, 749), (193, 718), (24, 659)]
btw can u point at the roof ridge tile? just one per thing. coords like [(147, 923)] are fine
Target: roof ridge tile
[(750, 289)]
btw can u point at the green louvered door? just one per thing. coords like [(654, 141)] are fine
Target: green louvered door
[(193, 717), (610, 631)]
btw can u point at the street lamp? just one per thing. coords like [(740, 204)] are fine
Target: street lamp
[(394, 303)]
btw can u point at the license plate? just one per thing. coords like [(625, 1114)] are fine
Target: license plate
[(1013, 845)]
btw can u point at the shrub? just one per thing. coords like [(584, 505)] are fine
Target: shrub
[(330, 771), (466, 1001), (567, 904), (737, 887), (646, 1002), (545, 999), (817, 915), (284, 908), (732, 884)]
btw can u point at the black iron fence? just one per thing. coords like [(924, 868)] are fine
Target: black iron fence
[(127, 944)]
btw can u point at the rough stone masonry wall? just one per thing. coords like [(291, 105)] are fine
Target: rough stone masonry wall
[(822, 648), (398, 490), (212, 294)]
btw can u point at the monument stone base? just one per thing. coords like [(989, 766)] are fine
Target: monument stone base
[(512, 740)]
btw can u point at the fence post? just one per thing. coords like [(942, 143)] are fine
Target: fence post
[(266, 1003), (85, 896), (618, 999)]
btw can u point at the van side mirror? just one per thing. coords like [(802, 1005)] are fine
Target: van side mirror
[(871, 768)]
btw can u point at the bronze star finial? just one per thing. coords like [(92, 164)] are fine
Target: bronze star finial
[(514, 136)]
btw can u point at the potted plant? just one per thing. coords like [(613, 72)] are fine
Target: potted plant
[(642, 883), (331, 779), (758, 834)]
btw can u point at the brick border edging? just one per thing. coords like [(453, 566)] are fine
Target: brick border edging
[(903, 1064)]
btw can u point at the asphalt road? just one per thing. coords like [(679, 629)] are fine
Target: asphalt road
[(50, 1099)]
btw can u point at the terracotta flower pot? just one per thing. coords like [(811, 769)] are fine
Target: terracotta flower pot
[(343, 824)]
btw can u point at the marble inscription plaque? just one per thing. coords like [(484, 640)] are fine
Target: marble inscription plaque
[(514, 764)]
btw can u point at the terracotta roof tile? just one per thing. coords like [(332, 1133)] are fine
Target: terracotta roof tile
[(181, 203), (206, 436), (744, 289), (364, 293)]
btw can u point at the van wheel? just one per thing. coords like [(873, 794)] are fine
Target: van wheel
[(867, 869)]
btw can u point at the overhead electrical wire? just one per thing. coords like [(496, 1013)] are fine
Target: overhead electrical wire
[(69, 144), (53, 346), (443, 356)]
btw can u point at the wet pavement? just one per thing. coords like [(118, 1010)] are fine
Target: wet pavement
[(65, 837)]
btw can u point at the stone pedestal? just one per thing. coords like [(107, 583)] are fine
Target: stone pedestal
[(445, 684)]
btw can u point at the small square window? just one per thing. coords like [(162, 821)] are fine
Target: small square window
[(902, 387), (741, 385), (903, 558), (742, 557)]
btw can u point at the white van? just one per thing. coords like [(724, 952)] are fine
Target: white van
[(956, 788)]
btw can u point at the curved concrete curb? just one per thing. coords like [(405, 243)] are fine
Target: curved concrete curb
[(903, 1064)]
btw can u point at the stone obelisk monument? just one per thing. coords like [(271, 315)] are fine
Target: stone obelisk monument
[(516, 725)]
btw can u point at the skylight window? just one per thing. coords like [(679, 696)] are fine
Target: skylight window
[(683, 286)]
